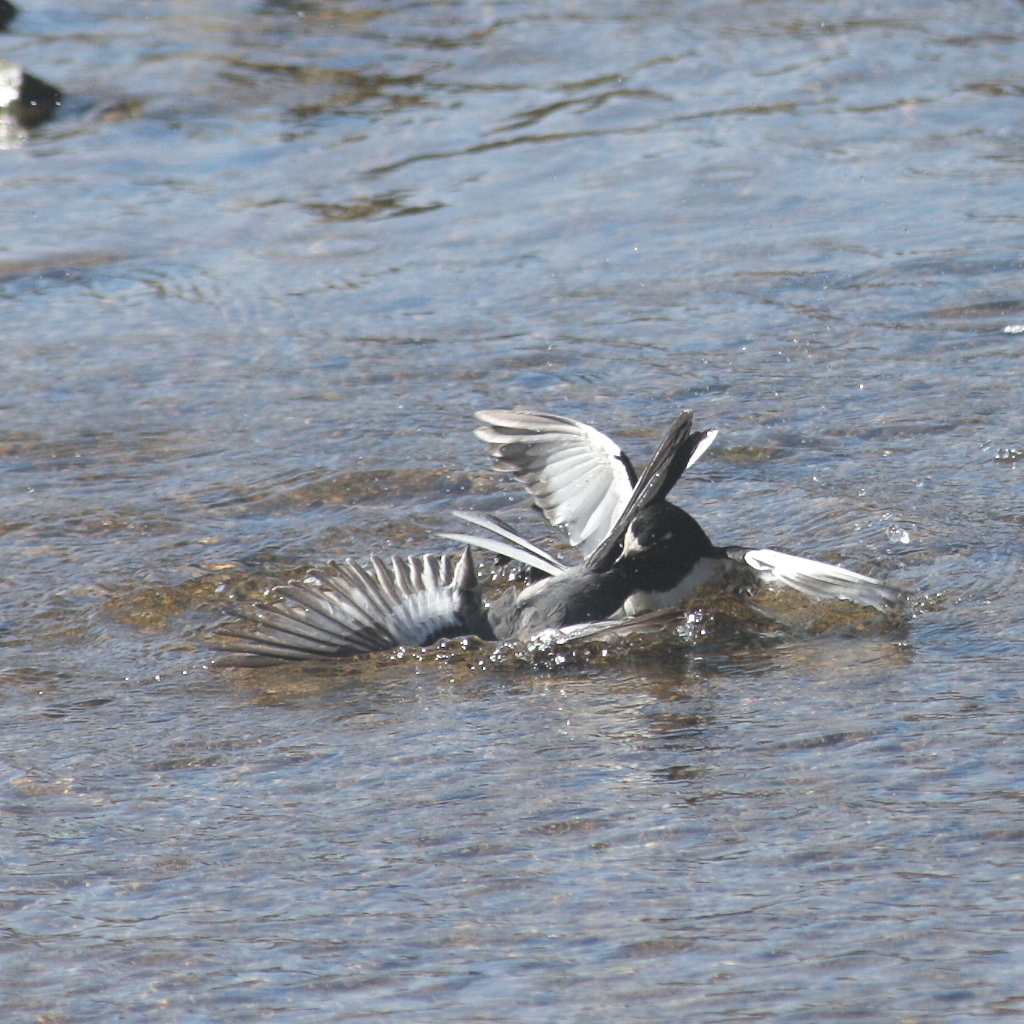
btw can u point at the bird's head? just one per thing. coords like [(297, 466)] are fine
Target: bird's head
[(663, 542)]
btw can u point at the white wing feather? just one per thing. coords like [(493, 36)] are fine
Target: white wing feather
[(821, 580), (580, 478)]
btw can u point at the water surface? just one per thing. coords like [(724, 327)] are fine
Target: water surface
[(254, 280)]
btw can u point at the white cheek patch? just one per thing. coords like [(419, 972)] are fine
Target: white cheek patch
[(630, 545)]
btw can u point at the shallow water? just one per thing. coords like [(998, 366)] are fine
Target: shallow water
[(254, 280)]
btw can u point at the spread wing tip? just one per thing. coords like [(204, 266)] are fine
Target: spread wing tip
[(350, 610), (823, 580)]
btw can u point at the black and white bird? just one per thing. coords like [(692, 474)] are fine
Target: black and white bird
[(640, 553), (348, 609), (582, 481)]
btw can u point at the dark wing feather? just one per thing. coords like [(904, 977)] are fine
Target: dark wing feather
[(677, 452)]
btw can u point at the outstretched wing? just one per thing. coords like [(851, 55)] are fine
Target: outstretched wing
[(580, 478), (349, 609), (502, 539), (819, 579)]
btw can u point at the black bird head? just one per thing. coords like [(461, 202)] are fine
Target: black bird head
[(677, 451), (662, 544)]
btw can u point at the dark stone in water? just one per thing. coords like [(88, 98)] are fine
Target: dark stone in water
[(27, 99), (7, 11)]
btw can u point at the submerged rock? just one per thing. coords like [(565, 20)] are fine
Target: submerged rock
[(24, 98), (7, 11)]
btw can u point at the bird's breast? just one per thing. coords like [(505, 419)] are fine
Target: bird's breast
[(704, 570)]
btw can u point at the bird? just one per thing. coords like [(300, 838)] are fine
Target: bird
[(581, 480), (350, 609), (640, 554)]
